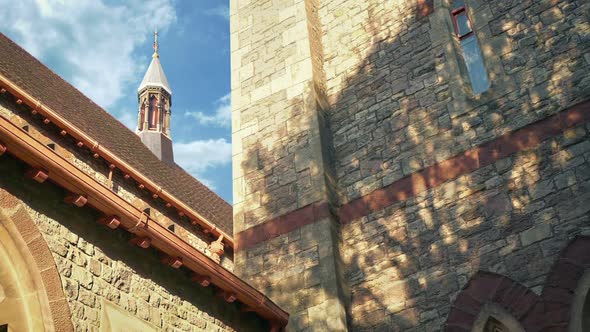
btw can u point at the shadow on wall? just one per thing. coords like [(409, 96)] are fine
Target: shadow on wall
[(391, 117)]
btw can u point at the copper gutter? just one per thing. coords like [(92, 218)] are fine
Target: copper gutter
[(61, 172), (103, 152)]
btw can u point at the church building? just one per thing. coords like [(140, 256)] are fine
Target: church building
[(399, 165), (99, 229)]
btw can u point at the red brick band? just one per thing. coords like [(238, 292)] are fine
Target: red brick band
[(281, 225), (467, 162), (546, 312)]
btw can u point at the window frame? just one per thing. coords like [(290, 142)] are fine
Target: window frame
[(455, 14)]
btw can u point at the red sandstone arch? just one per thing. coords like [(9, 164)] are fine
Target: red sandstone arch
[(548, 312), (564, 278), (31, 245)]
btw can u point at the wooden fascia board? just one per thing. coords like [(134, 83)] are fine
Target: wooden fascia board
[(105, 153), (65, 174)]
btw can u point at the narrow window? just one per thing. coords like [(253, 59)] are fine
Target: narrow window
[(478, 75), (153, 113), (141, 116)]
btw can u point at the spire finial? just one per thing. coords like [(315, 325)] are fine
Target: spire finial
[(156, 44)]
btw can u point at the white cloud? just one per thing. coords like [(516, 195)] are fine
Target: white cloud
[(129, 119), (197, 157), (93, 39), (221, 116), (221, 11)]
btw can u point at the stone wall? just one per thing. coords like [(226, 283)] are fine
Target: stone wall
[(275, 117), (324, 129), (400, 99), (407, 262), (278, 139), (100, 269)]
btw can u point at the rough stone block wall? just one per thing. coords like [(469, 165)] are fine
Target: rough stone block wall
[(400, 99), (97, 264), (274, 127), (407, 262), (279, 165)]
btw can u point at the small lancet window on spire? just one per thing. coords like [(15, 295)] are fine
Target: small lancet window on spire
[(153, 113)]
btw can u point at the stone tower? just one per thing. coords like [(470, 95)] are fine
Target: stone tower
[(412, 165), (155, 101), (284, 193)]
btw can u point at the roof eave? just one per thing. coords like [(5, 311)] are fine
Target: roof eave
[(111, 158)]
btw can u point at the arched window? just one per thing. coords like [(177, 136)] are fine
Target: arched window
[(493, 318), (493, 325), (580, 309), (586, 313), (478, 75), (141, 116)]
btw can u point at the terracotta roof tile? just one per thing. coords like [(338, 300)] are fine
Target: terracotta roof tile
[(40, 82)]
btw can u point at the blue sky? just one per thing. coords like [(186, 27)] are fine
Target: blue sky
[(103, 47)]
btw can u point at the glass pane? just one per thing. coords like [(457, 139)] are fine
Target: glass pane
[(458, 4), (478, 75), (494, 326), (463, 24)]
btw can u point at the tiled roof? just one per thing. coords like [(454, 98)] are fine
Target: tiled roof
[(43, 84)]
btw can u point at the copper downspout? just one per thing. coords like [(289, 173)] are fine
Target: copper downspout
[(95, 146), (61, 172)]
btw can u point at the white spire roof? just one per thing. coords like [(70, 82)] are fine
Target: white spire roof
[(155, 76)]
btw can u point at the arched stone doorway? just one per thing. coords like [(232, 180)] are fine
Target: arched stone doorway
[(31, 295), (20, 305)]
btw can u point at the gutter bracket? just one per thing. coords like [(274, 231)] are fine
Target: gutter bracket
[(142, 222)]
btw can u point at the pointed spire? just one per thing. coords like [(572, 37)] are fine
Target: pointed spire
[(156, 44), (155, 101), (154, 75)]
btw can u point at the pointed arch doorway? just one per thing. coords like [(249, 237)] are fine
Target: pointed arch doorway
[(31, 294)]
